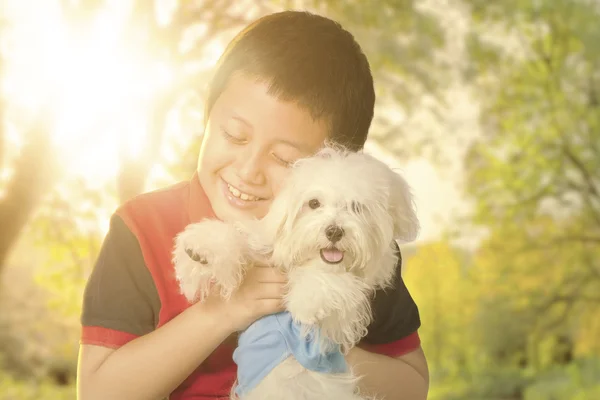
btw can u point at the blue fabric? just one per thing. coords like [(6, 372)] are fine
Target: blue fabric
[(272, 339)]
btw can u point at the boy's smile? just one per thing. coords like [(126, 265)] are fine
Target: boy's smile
[(250, 140), (238, 198)]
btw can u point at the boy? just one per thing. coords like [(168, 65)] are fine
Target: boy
[(284, 85)]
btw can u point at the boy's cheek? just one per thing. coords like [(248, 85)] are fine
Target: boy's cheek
[(277, 180)]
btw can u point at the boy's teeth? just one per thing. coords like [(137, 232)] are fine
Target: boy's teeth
[(241, 195), (235, 192)]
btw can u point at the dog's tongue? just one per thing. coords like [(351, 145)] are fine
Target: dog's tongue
[(332, 255)]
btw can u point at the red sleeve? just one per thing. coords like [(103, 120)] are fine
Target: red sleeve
[(396, 348), (106, 337), (396, 321)]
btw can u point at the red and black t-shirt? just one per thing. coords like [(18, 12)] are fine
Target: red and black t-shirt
[(132, 289)]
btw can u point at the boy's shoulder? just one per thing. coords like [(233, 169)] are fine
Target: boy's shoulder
[(173, 206), (161, 198), (163, 201)]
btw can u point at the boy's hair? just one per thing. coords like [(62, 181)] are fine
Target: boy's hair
[(310, 60)]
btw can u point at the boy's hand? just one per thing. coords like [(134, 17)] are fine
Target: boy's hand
[(261, 293)]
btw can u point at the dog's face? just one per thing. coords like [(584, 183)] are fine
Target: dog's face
[(344, 208)]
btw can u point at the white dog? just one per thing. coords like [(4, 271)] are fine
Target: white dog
[(331, 229)]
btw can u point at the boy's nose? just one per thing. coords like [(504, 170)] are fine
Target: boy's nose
[(251, 170)]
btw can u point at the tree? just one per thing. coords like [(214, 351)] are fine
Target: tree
[(535, 172)]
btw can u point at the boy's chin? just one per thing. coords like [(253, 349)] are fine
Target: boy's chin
[(229, 213)]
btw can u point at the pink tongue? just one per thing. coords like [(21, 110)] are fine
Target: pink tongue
[(332, 255)]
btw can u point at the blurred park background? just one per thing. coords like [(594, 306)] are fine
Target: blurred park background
[(490, 108)]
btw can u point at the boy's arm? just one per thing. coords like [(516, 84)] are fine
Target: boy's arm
[(151, 366), (402, 378), (390, 357), (122, 355)]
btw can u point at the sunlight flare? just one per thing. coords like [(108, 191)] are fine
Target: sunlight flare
[(99, 88)]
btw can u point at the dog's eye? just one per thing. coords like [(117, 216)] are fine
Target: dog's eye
[(356, 207), (314, 203)]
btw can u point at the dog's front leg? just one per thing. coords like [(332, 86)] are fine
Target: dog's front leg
[(308, 298), (338, 303)]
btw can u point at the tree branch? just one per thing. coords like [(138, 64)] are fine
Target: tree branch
[(585, 173), (556, 241), (549, 61), (591, 262), (568, 300)]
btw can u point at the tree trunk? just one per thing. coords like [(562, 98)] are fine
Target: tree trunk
[(35, 174), (133, 173)]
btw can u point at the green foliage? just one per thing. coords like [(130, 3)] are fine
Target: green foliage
[(43, 287), (578, 381), (540, 112), (535, 173), (494, 329), (12, 389)]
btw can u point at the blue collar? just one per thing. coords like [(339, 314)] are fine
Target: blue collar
[(272, 339)]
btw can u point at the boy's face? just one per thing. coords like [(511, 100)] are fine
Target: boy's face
[(250, 140)]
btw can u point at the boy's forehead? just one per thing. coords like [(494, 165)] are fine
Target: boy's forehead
[(248, 102)]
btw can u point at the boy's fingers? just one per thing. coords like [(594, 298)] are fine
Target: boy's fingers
[(270, 306), (270, 290), (268, 274)]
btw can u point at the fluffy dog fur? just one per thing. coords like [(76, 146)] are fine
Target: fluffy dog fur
[(331, 230)]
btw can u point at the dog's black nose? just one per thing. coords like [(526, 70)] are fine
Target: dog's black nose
[(334, 233)]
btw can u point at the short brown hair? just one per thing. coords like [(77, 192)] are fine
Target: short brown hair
[(308, 59)]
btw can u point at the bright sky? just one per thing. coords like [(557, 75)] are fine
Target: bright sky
[(98, 87)]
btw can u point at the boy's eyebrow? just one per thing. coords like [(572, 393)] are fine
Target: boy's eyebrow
[(300, 146), (238, 118)]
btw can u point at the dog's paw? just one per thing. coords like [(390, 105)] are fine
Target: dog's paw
[(209, 254), (194, 273), (194, 260), (304, 310), (200, 257), (308, 320), (311, 318)]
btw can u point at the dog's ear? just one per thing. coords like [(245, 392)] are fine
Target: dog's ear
[(281, 215), (402, 208), (256, 240)]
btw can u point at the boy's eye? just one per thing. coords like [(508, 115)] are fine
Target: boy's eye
[(283, 162), (231, 138)]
